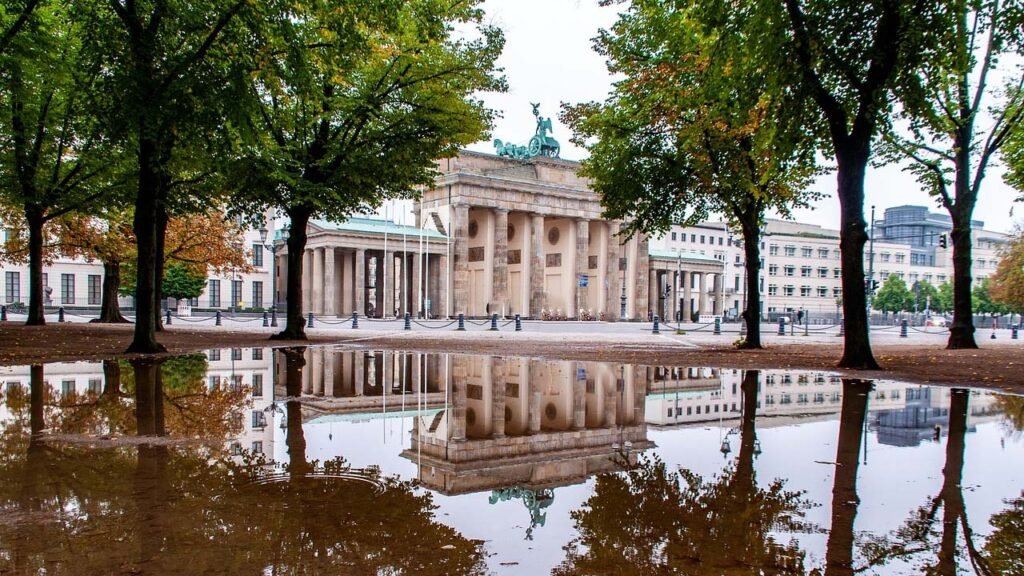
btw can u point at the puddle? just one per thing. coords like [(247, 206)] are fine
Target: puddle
[(326, 460)]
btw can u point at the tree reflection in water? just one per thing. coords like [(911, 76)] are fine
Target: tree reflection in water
[(648, 520), (163, 507)]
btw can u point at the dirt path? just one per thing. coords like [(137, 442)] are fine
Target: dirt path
[(998, 366)]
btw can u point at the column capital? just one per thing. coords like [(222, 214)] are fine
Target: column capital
[(501, 210)]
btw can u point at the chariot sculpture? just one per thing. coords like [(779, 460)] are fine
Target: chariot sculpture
[(540, 145)]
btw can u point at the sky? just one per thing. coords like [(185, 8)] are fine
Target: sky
[(548, 59)]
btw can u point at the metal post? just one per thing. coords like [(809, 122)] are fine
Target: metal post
[(408, 321), (519, 324), (355, 320), (60, 315), (3, 313), (718, 326), (993, 328), (871, 267), (782, 325), (266, 319), (903, 328), (807, 322), (1013, 332), (462, 323), (168, 321), (655, 329), (494, 322), (309, 320), (622, 299), (217, 322)]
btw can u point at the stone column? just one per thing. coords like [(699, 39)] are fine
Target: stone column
[(687, 302), (532, 390), (316, 303), (702, 300), (360, 282), (378, 283), (605, 271), (639, 385), (654, 299), (417, 285), (458, 387), (460, 277), (614, 301), (499, 303), (579, 401), (358, 372), (330, 288), (719, 280), (307, 280), (443, 304), (643, 264), (537, 257), (389, 285), (611, 403), (498, 397), (673, 295), (582, 261), (307, 371), (317, 370)]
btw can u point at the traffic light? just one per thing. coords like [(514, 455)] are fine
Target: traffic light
[(942, 240), (874, 286)]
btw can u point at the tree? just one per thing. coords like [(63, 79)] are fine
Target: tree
[(983, 301), (894, 296), (848, 55), (1007, 284), (170, 68), (944, 102), (182, 283), (944, 299), (355, 106), (14, 17), (106, 236), (53, 157), (695, 126), (923, 296)]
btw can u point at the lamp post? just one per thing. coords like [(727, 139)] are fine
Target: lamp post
[(675, 287), (622, 299), (273, 247)]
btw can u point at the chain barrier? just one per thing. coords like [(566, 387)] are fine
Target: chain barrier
[(829, 327), (334, 322), (382, 320), (508, 323), (480, 323), (944, 331), (418, 323), (196, 320)]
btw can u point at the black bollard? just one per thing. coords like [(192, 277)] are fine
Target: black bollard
[(494, 323), (3, 313), (462, 323), (218, 322), (408, 321), (309, 320), (355, 319), (782, 326), (1013, 332), (718, 326), (519, 323), (168, 320), (273, 317), (655, 329), (266, 320), (903, 328), (60, 315)]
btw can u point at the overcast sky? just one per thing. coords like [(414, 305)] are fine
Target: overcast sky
[(548, 59)]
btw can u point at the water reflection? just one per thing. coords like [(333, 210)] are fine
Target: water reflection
[(240, 461)]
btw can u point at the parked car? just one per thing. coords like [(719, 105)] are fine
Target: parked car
[(936, 321)]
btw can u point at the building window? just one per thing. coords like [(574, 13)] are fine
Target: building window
[(823, 253), (236, 353), (693, 237), (822, 272), (805, 271), (701, 238), (719, 240), (67, 388), (213, 355), (257, 447), (806, 252), (257, 255), (885, 256), (95, 384), (773, 269), (67, 288), (257, 385), (822, 292), (214, 289), (773, 250), (787, 290), (837, 292), (790, 270), (257, 353), (673, 236), (12, 280), (900, 258), (257, 294), (95, 282), (836, 254), (773, 290), (259, 419), (805, 291), (236, 293), (837, 273), (790, 250)]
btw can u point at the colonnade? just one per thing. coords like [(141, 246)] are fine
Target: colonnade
[(686, 292)]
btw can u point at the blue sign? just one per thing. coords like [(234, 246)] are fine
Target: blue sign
[(581, 373), (583, 280)]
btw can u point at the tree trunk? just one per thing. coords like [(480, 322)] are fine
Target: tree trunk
[(145, 226), (852, 236), (839, 550), (951, 495), (295, 326), (961, 333), (35, 221), (745, 484), (37, 392), (110, 310), (752, 311), (294, 360), (111, 378)]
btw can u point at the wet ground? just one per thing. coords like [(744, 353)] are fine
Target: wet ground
[(334, 461)]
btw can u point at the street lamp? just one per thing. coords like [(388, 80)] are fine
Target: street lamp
[(622, 299), (273, 247)]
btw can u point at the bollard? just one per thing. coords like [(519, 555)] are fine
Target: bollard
[(168, 321), (462, 323), (842, 327), (718, 326), (217, 323), (782, 326), (494, 323), (655, 329), (903, 328), (993, 329), (60, 315), (266, 319), (408, 321), (273, 317), (3, 313), (309, 320), (519, 324), (1013, 332), (355, 320)]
